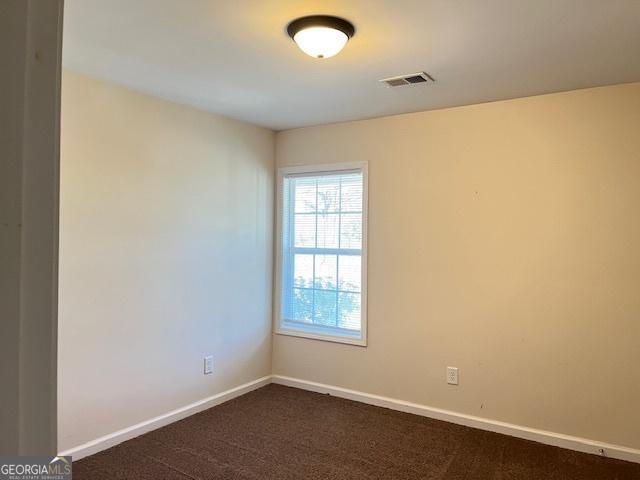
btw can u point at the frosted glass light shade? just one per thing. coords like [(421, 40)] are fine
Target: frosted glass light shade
[(320, 42), (321, 36)]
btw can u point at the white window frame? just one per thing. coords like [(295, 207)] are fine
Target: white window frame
[(326, 334)]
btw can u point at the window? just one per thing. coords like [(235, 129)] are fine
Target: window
[(322, 218)]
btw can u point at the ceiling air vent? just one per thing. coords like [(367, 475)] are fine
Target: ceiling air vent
[(409, 79)]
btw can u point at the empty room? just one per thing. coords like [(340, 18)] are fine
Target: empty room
[(284, 239)]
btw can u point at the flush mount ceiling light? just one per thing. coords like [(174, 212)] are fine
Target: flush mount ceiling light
[(321, 36)]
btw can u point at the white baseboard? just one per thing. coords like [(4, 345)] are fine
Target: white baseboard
[(107, 441), (540, 436)]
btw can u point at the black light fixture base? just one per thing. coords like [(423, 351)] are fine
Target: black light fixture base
[(328, 21)]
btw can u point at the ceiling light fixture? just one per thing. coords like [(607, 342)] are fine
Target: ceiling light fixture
[(321, 36)]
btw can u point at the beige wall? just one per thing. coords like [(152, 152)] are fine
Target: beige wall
[(504, 239), (165, 256)]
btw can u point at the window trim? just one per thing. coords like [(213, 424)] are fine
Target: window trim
[(280, 327)]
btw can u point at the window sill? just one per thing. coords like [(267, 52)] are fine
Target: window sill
[(357, 341)]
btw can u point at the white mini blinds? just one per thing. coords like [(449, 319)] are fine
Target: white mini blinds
[(322, 253)]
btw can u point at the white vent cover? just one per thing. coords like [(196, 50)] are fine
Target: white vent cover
[(409, 79)]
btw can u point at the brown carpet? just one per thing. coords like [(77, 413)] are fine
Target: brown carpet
[(278, 432)]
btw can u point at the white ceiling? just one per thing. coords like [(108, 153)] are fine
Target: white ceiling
[(233, 56)]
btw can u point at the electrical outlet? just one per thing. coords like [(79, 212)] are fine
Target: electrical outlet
[(208, 364), (452, 375)]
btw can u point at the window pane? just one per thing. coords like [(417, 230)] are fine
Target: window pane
[(351, 230), (302, 305), (322, 240), (351, 195), (349, 273), (326, 272), (328, 230), (305, 230), (303, 271), (349, 310), (328, 194), (325, 308), (305, 200)]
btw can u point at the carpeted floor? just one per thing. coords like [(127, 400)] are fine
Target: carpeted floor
[(285, 433)]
